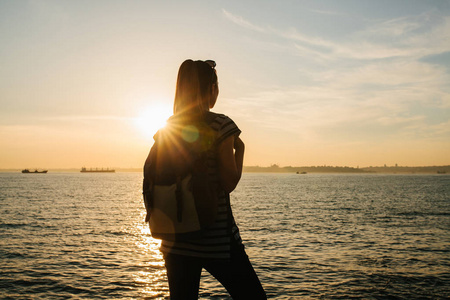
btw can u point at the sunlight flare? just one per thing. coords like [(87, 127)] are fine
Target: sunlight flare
[(152, 118)]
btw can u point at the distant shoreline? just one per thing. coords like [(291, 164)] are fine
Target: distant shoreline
[(306, 169), (350, 170)]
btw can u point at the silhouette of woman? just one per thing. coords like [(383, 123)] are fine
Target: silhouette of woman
[(220, 250)]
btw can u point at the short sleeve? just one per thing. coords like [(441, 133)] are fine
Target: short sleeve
[(227, 128)]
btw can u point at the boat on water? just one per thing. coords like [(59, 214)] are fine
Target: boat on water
[(97, 170), (27, 171)]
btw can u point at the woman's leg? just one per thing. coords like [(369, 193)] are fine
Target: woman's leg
[(183, 274), (238, 275)]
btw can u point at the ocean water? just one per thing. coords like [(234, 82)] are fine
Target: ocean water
[(82, 236)]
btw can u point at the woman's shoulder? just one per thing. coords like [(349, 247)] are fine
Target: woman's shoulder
[(214, 115), (219, 118), (224, 125)]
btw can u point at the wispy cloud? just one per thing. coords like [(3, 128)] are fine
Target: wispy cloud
[(326, 12), (413, 36), (378, 98), (63, 120), (238, 20), (396, 27), (71, 118)]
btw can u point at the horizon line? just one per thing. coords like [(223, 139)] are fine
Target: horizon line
[(251, 166)]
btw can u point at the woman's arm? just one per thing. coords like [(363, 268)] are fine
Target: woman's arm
[(231, 159)]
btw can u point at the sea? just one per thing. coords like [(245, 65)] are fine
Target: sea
[(308, 236)]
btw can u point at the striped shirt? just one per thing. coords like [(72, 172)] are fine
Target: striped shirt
[(215, 242)]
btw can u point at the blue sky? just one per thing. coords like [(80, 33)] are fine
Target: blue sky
[(354, 83)]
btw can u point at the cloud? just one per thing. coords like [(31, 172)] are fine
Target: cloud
[(380, 98), (370, 84), (326, 12), (238, 20), (395, 27), (72, 118), (411, 36)]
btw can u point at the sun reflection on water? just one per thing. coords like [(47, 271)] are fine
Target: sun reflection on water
[(151, 277)]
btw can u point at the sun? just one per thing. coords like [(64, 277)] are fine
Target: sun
[(152, 118)]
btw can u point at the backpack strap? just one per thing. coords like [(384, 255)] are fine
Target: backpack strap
[(148, 199), (149, 180), (179, 199)]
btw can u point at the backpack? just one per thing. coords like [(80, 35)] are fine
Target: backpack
[(179, 194)]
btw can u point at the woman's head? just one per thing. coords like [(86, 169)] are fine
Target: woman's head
[(197, 87)]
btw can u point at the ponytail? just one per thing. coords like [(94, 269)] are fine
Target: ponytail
[(193, 90), (188, 97)]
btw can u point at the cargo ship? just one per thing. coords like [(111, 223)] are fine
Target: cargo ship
[(97, 170), (27, 171)]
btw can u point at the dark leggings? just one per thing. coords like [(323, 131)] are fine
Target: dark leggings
[(236, 275)]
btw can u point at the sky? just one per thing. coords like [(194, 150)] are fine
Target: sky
[(342, 83)]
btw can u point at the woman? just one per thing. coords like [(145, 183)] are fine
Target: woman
[(220, 250)]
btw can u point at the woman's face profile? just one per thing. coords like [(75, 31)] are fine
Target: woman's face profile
[(214, 94)]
